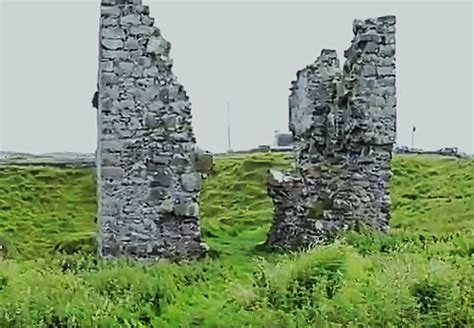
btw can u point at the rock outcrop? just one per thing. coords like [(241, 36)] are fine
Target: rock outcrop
[(343, 123), (149, 169)]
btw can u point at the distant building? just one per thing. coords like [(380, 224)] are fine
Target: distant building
[(282, 141), (448, 151)]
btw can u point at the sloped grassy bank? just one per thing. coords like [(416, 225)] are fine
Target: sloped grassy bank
[(421, 274)]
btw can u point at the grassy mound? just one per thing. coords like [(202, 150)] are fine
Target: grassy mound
[(420, 275)]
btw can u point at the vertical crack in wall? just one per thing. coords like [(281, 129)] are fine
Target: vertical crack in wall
[(148, 166), (343, 125)]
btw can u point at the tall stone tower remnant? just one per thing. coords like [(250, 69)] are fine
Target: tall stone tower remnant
[(343, 123), (148, 165)]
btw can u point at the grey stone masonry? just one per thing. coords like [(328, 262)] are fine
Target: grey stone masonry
[(343, 123), (149, 168)]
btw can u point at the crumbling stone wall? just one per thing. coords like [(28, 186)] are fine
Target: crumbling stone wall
[(344, 129), (148, 166)]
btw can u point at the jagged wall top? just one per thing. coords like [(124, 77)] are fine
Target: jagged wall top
[(312, 99), (368, 88)]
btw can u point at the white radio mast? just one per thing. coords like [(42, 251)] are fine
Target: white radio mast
[(229, 145)]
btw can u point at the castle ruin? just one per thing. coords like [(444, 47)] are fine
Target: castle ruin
[(149, 168), (343, 123)]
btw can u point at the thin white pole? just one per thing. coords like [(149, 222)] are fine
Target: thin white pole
[(229, 145)]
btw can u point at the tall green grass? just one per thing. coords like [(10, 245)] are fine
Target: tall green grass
[(419, 275)]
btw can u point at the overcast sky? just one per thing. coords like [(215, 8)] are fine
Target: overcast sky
[(241, 52)]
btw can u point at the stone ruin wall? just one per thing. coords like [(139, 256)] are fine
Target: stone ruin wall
[(343, 123), (149, 168)]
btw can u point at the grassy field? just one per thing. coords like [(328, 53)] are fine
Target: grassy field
[(419, 275)]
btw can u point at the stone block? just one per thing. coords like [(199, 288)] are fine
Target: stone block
[(114, 172), (150, 121), (109, 78), (166, 206), (109, 159), (110, 21), (369, 38), (125, 67), (150, 96), (108, 2), (150, 72), (387, 81), (389, 39), (112, 44), (106, 104), (156, 45), (387, 50), (148, 21), (369, 70), (112, 54), (163, 177), (132, 44), (191, 181), (107, 66), (111, 208), (142, 9), (180, 162), (113, 145), (113, 33), (188, 208), (144, 61), (163, 160), (110, 11), (371, 47), (157, 193), (131, 19), (140, 30), (386, 71), (390, 19)]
